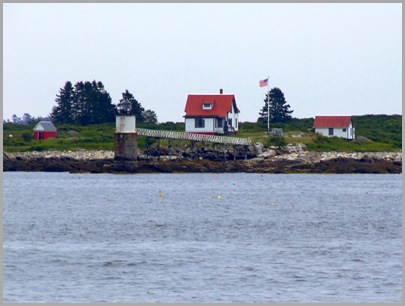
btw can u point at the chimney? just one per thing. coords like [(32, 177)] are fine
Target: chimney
[(221, 91)]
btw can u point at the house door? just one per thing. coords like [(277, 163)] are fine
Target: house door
[(39, 135)]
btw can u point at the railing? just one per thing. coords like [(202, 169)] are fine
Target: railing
[(193, 137)]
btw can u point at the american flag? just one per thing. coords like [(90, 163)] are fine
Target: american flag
[(264, 82)]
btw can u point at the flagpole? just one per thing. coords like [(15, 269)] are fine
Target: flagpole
[(268, 108)]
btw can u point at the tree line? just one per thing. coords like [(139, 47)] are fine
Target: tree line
[(25, 119), (89, 103)]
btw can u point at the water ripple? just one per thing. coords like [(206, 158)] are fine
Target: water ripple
[(113, 238)]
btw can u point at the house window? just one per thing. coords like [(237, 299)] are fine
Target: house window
[(220, 122), (344, 130), (199, 122), (330, 131), (207, 105)]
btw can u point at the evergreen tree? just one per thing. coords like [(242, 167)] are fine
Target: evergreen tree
[(80, 104), (15, 119), (85, 103), (279, 109), (104, 108), (62, 112), (27, 118), (137, 108), (93, 104), (149, 116)]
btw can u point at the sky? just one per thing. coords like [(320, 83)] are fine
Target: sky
[(327, 59)]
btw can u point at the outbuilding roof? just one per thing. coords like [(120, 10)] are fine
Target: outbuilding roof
[(332, 121), (221, 104), (45, 126)]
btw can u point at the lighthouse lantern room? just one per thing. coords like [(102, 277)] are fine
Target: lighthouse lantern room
[(125, 121)]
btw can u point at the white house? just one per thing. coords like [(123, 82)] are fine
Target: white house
[(339, 126), (211, 114)]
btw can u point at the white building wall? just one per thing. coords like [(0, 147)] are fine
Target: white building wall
[(352, 132), (125, 124), (339, 132), (189, 124), (349, 133), (208, 126), (322, 131), (235, 121), (233, 115)]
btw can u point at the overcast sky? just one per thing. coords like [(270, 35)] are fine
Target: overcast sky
[(328, 59)]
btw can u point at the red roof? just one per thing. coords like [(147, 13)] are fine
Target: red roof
[(221, 105), (332, 121)]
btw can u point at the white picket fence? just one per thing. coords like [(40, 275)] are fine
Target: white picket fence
[(193, 137)]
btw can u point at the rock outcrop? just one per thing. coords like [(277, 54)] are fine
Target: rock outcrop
[(293, 159)]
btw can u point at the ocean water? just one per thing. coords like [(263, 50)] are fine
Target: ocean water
[(201, 238)]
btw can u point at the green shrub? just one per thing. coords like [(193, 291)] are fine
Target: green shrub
[(27, 136), (319, 138), (252, 127), (145, 142), (13, 142), (38, 148), (277, 141)]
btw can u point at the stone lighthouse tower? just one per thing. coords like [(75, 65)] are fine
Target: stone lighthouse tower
[(125, 137)]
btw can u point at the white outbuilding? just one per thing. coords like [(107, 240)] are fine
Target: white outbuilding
[(338, 126)]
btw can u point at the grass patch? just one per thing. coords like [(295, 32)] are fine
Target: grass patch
[(385, 133), (323, 144)]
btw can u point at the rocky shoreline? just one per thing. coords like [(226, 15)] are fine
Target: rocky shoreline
[(293, 159)]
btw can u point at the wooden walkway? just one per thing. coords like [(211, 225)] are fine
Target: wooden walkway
[(194, 137)]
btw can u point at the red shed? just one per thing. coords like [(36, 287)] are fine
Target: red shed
[(44, 130)]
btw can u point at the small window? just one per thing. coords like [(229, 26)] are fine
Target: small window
[(344, 130), (220, 122), (330, 131), (199, 123), (207, 105)]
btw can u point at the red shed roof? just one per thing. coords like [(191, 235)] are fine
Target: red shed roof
[(332, 121), (221, 105)]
